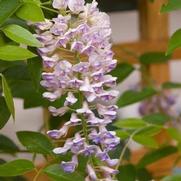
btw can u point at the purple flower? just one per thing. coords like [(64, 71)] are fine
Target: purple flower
[(91, 172), (60, 4), (90, 150), (77, 58), (84, 110), (58, 112), (55, 134), (69, 167), (70, 100), (78, 144), (76, 5)]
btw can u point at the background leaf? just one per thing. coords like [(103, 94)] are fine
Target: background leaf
[(147, 141), (156, 118), (130, 97), (156, 155), (15, 168), (57, 174), (35, 142), (4, 113), (8, 96), (20, 35), (153, 58), (172, 178), (174, 42), (122, 71), (7, 145), (174, 133), (171, 85), (31, 12), (12, 53), (132, 123), (35, 69), (8, 8), (127, 173), (171, 6)]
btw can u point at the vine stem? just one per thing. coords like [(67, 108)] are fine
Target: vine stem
[(49, 9), (125, 147)]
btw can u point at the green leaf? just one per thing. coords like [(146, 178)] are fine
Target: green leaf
[(149, 131), (174, 133), (16, 168), (146, 141), (20, 35), (8, 8), (30, 11), (171, 6), (55, 172), (37, 2), (130, 97), (122, 71), (122, 134), (174, 42), (143, 175), (8, 96), (7, 145), (157, 118), (172, 178), (4, 113), (35, 69), (131, 123), (171, 85), (156, 155), (35, 142), (12, 53), (127, 173), (154, 57)]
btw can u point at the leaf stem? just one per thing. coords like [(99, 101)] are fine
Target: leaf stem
[(126, 146), (49, 9), (46, 3)]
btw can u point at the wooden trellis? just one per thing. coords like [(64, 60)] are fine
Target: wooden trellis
[(153, 28)]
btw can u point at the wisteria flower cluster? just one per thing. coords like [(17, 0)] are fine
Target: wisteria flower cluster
[(160, 103), (77, 58)]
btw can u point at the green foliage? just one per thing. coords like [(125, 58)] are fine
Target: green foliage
[(8, 8), (12, 53), (130, 173), (176, 177), (153, 58), (4, 113), (35, 69), (127, 173), (130, 97), (156, 118), (15, 168), (57, 174), (174, 42), (31, 12), (35, 142), (7, 145), (122, 71), (8, 96), (171, 6), (147, 141), (175, 134), (131, 123), (156, 155), (20, 35), (171, 85)]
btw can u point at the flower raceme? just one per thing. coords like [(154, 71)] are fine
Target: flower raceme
[(77, 58)]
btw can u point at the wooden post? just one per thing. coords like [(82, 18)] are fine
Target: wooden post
[(154, 27)]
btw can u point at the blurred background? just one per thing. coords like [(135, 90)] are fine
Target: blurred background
[(125, 28)]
